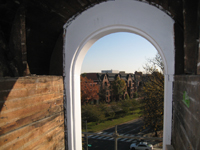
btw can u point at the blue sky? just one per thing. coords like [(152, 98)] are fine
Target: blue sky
[(118, 51)]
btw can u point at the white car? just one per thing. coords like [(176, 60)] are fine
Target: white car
[(141, 146)]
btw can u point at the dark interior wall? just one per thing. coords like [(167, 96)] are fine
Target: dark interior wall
[(198, 26), (8, 21), (56, 63), (186, 119), (186, 95), (44, 22), (190, 14), (43, 30), (42, 26), (179, 49)]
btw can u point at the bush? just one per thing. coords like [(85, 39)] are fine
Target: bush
[(125, 106), (104, 111), (115, 106), (92, 113), (135, 95), (127, 97), (134, 104), (107, 110)]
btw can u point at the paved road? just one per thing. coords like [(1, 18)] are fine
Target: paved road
[(133, 128)]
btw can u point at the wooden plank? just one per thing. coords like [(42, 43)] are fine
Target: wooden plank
[(46, 137), (11, 105), (29, 82), (59, 144), (27, 111), (27, 92), (25, 136), (27, 130), (55, 141), (27, 120), (16, 119)]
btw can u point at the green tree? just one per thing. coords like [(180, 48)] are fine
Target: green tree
[(127, 97), (102, 94), (118, 88), (153, 94), (92, 113)]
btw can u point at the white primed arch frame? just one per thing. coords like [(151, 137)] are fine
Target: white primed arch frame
[(103, 19)]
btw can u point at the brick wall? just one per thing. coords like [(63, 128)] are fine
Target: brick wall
[(186, 118), (31, 113)]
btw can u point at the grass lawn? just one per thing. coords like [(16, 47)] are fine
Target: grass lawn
[(92, 127)]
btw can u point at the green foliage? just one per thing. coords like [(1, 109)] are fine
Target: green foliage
[(134, 104), (102, 94), (103, 111), (92, 113), (115, 106), (83, 74), (127, 96), (118, 88), (107, 110), (135, 95), (125, 106), (92, 127), (153, 99)]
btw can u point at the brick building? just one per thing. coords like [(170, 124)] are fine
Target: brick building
[(104, 80)]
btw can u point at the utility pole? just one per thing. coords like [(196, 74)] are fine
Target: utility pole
[(116, 135), (86, 136)]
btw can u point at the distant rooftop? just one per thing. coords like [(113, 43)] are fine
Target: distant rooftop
[(110, 71)]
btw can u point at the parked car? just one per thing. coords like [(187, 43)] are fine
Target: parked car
[(141, 146)]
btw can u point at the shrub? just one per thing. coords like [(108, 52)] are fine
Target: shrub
[(134, 104), (125, 106), (92, 113), (107, 110), (115, 106), (127, 97), (135, 95)]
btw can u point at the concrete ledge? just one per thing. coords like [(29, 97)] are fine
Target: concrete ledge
[(169, 147)]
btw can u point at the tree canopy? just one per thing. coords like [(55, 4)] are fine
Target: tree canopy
[(118, 88), (89, 90), (102, 94), (154, 65), (153, 94)]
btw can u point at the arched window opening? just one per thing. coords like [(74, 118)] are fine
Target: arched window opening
[(152, 24), (130, 51)]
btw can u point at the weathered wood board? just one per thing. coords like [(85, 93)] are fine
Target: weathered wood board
[(31, 113)]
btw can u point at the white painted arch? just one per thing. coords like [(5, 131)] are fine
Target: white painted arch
[(103, 19)]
